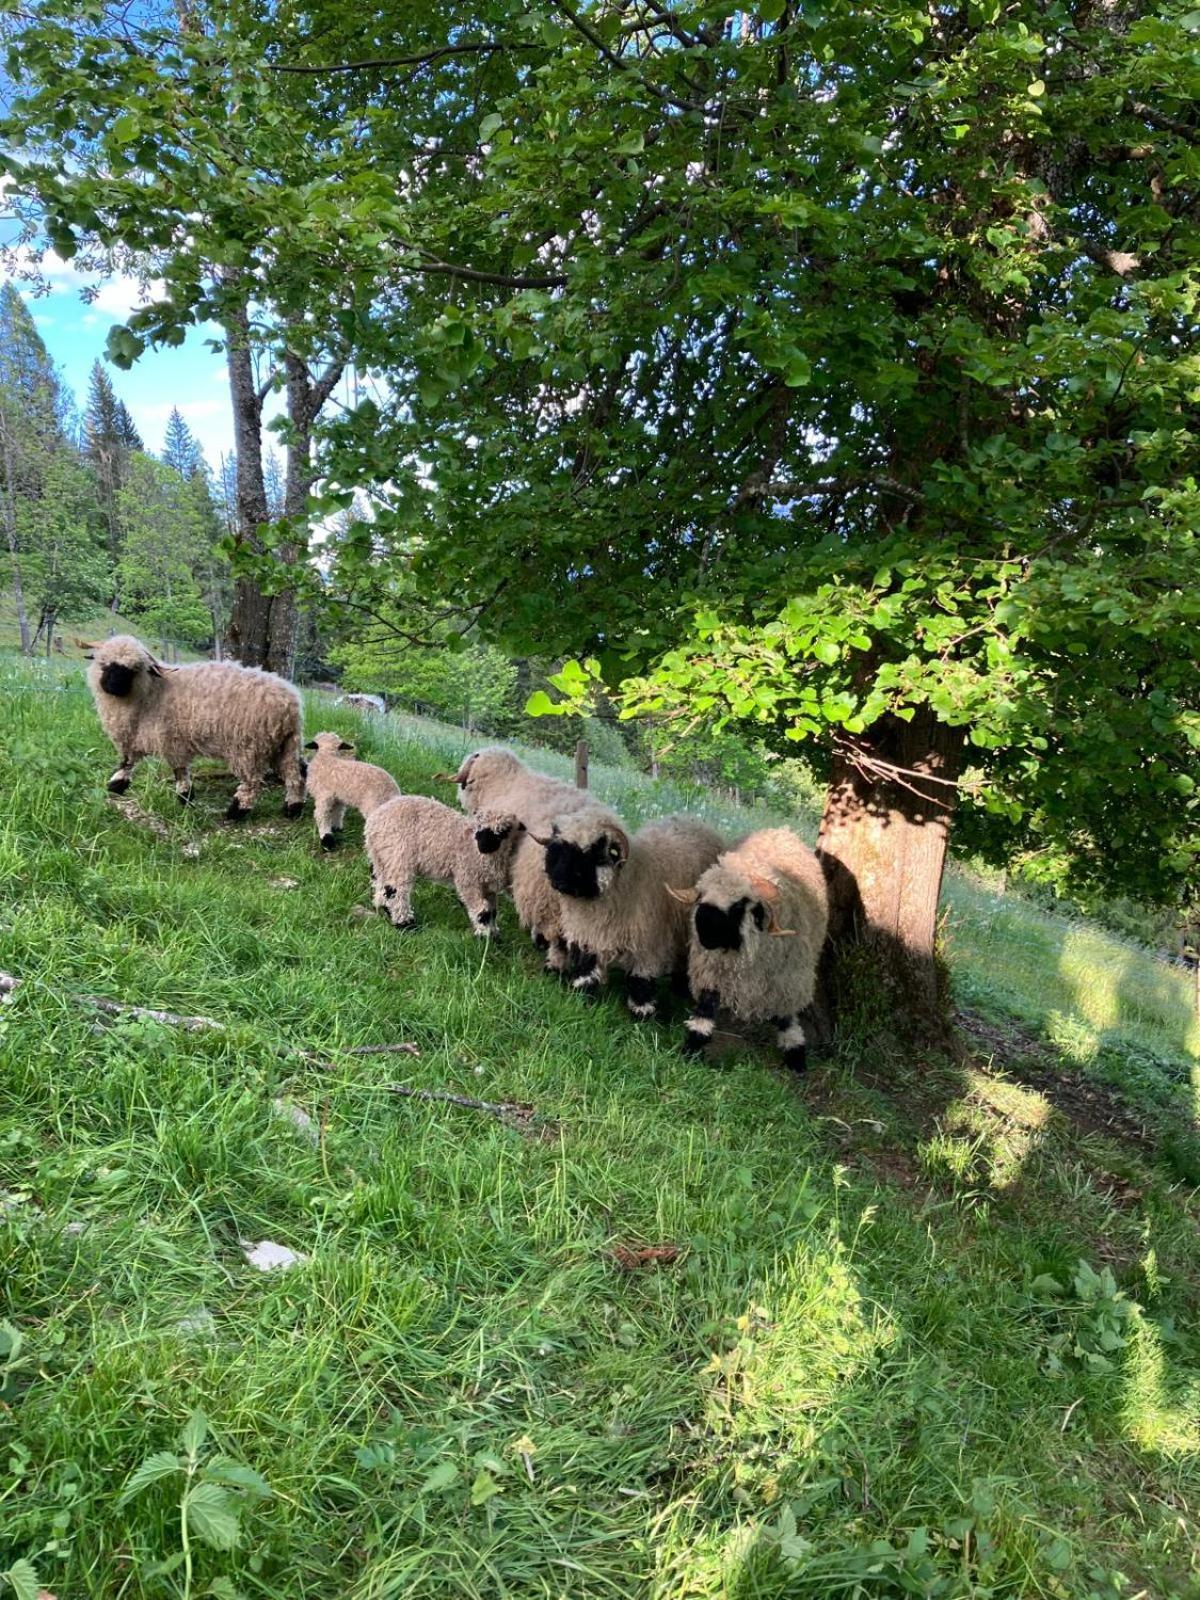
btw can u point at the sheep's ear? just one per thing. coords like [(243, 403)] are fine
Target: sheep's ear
[(312, 745), (621, 840), (345, 745), (686, 897)]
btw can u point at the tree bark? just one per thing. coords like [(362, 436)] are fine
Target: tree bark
[(882, 843), (249, 623)]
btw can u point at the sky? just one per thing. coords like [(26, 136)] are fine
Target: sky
[(190, 376)]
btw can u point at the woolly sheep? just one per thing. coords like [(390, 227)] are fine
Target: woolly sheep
[(758, 921), (414, 837), (335, 782), (250, 719), (497, 780), (614, 902)]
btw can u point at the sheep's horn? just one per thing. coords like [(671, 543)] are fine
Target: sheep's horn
[(763, 887), (686, 897), (89, 655), (777, 932), (621, 839), (537, 838), (445, 777)]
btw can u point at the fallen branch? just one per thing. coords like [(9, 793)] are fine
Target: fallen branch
[(169, 1019), (120, 1008), (506, 1110), (405, 1049)]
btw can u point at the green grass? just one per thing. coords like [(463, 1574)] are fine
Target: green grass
[(876, 1368)]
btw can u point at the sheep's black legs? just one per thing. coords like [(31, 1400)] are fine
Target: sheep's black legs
[(792, 1042), (701, 1023), (123, 776), (587, 973), (183, 785), (641, 999)]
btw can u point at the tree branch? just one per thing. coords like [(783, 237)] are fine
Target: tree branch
[(424, 59), (619, 62), (1165, 123)]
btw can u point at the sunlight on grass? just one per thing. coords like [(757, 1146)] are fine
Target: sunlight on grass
[(1155, 1419)]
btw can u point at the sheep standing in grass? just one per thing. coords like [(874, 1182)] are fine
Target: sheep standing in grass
[(496, 780), (614, 902), (249, 719), (758, 921), (335, 781), (413, 837)]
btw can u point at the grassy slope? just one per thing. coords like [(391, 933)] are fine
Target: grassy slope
[(856, 1379)]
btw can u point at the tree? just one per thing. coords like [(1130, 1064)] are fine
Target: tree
[(108, 436), (55, 565), (836, 377), (181, 451), (166, 545)]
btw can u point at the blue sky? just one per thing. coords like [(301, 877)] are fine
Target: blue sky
[(191, 376)]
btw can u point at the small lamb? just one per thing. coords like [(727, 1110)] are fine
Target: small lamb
[(248, 718), (496, 780), (758, 921), (615, 907), (413, 837), (336, 782)]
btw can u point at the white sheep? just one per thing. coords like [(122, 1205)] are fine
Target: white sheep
[(758, 922), (414, 837), (615, 908), (250, 719), (495, 779), (335, 781)]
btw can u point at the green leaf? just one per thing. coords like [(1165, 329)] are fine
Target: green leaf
[(163, 1464), (22, 1580), (443, 1476), (194, 1434), (540, 704), (631, 145), (826, 652), (212, 1516), (490, 124), (484, 1487), (126, 127), (1037, 88), (223, 1470), (770, 10)]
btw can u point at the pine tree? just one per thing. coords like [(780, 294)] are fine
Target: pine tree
[(107, 451), (181, 448), (127, 432), (33, 447)]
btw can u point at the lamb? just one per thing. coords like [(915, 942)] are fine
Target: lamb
[(251, 719), (414, 837), (335, 782), (758, 921), (496, 779), (614, 903)]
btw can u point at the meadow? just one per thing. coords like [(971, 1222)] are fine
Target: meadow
[(629, 1325)]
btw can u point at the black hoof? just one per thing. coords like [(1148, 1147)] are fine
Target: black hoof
[(293, 809), (694, 1043), (796, 1060), (118, 785), (403, 927), (236, 812), (329, 841)]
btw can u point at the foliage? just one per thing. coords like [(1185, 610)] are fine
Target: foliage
[(167, 541), (472, 684)]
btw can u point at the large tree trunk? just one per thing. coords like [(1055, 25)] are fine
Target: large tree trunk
[(248, 639), (883, 843), (297, 482)]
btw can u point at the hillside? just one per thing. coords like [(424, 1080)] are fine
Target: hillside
[(928, 1327)]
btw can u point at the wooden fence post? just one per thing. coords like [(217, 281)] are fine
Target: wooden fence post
[(581, 764)]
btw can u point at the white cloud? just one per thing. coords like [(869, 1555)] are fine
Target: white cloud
[(118, 296)]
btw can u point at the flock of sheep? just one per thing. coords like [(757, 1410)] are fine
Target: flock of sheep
[(746, 922)]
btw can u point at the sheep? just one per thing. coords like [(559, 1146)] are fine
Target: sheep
[(364, 702), (414, 837), (335, 781), (758, 921), (496, 779), (215, 708), (614, 904)]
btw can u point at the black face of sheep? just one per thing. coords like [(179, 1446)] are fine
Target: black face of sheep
[(720, 927), (575, 869), (489, 840), (117, 679)]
